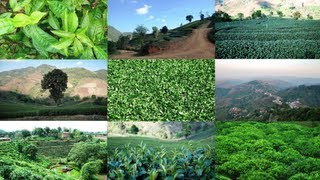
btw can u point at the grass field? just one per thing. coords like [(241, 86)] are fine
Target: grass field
[(268, 38), (174, 90), (278, 150), (17, 110)]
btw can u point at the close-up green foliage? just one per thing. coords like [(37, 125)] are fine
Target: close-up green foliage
[(53, 29), (141, 162), (277, 150), (161, 90)]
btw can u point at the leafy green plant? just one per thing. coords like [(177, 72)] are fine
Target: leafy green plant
[(53, 29), (148, 90)]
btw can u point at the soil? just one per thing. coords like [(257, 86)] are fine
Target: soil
[(196, 46)]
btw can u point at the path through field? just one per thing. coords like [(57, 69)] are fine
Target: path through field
[(195, 46)]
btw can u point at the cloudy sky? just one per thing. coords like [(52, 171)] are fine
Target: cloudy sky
[(93, 65), (88, 126), (125, 15), (235, 69)]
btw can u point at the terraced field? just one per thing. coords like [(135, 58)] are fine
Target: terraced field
[(268, 38)]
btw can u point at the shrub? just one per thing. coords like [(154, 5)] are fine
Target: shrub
[(30, 151), (296, 15), (164, 30), (90, 169), (133, 129)]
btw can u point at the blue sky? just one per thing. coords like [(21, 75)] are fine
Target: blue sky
[(93, 65), (125, 15)]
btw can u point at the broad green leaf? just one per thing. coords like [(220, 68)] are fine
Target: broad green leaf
[(20, 5), (64, 34), (36, 16), (73, 22), (85, 20), (53, 21), (63, 43), (57, 7), (13, 3), (26, 41), (27, 9), (85, 40), (6, 15), (87, 54), (16, 36), (100, 53), (37, 5), (64, 18), (21, 20), (6, 26), (82, 30), (96, 30), (77, 47), (41, 40)]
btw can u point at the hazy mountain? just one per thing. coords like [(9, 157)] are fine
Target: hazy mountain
[(288, 7), (27, 81), (228, 83), (258, 96), (114, 34)]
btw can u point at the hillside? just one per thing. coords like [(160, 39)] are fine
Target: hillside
[(163, 130), (288, 7), (113, 34), (81, 82), (257, 99)]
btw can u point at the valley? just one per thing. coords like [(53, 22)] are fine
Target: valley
[(267, 100)]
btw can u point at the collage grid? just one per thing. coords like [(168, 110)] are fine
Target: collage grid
[(137, 89)]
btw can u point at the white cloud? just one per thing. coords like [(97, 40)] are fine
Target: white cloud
[(143, 10), (79, 63), (150, 18), (134, 1)]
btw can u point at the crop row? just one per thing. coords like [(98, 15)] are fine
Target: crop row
[(56, 112), (268, 36), (142, 162), (282, 49)]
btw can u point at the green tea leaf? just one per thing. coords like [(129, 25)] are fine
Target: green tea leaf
[(63, 43), (87, 54), (36, 16), (13, 3), (64, 34), (85, 40), (53, 21), (57, 7), (65, 20), (6, 26), (72, 22), (21, 20), (96, 30), (100, 53), (77, 47), (37, 5), (18, 6), (85, 20), (6, 15)]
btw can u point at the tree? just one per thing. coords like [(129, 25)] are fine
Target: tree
[(155, 31), (56, 81), (164, 30), (186, 129), (30, 151), (25, 133), (309, 16), (189, 18), (140, 31), (256, 14), (201, 16), (296, 15), (38, 131), (90, 169), (280, 13), (240, 16), (123, 42), (134, 129)]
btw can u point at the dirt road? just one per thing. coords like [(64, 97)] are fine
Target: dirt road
[(196, 46)]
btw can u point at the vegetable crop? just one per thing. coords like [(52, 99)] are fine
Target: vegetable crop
[(31, 29), (154, 90)]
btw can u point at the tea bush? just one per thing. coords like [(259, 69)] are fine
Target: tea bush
[(53, 29)]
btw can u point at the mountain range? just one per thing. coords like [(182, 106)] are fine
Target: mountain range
[(288, 7), (81, 81), (114, 34), (235, 100)]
